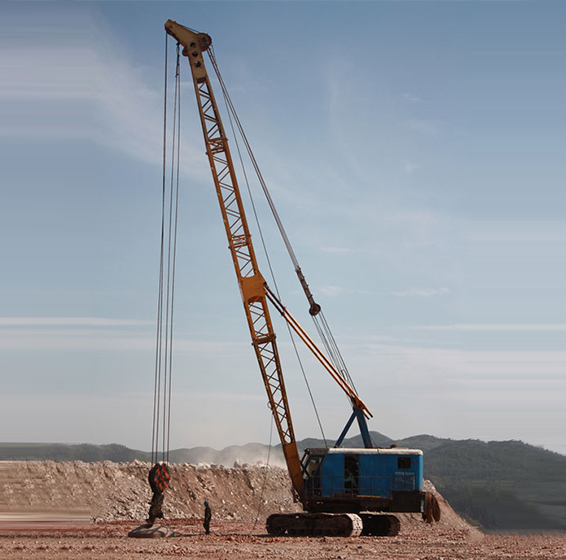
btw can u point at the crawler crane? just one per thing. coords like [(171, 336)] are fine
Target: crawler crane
[(343, 491)]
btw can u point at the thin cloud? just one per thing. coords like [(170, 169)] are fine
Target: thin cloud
[(115, 336), (131, 113), (424, 126), (417, 244), (420, 218), (421, 292), (520, 237), (330, 291), (410, 98), (409, 166), (220, 396), (84, 89), (341, 250), (69, 322), (526, 327)]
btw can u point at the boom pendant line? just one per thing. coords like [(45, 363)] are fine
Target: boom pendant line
[(315, 309)]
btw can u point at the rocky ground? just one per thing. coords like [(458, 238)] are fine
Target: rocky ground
[(69, 510)]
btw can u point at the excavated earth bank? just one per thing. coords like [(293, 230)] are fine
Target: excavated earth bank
[(85, 510)]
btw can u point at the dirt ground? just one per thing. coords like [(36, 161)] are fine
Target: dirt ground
[(240, 541), (78, 510)]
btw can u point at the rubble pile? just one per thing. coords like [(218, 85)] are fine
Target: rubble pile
[(119, 491)]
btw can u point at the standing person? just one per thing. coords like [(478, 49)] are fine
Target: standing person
[(207, 517)]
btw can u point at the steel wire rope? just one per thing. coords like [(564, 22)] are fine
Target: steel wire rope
[(171, 262), (231, 111), (166, 290), (157, 380), (332, 348), (324, 330), (177, 139)]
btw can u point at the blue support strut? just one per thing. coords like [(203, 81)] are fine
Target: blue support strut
[(358, 415)]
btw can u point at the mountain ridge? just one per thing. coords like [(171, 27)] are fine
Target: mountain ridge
[(246, 453)]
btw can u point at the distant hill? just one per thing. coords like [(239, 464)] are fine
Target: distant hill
[(500, 485), (249, 453), (423, 442)]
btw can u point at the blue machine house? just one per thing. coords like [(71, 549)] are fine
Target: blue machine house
[(389, 474)]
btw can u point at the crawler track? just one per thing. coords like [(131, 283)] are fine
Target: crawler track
[(314, 524)]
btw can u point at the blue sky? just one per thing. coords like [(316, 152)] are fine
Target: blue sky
[(416, 154)]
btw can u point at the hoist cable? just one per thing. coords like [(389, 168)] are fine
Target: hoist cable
[(166, 292), (168, 284), (233, 117), (332, 348), (325, 332), (175, 168), (157, 381)]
